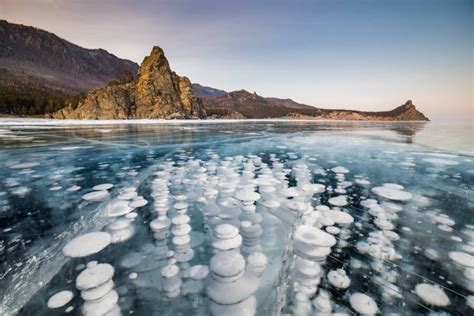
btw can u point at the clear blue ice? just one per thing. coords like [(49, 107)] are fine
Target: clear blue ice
[(236, 218)]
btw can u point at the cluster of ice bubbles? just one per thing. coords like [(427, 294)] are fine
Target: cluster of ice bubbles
[(216, 207)]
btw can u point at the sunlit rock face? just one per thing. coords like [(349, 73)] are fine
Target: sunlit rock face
[(157, 93), (232, 220)]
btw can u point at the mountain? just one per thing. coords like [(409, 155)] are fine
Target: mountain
[(41, 73), (404, 112), (203, 91), (243, 104), (158, 92), (38, 64)]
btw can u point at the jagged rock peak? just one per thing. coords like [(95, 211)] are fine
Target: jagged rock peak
[(409, 103), (157, 93), (153, 62), (408, 112)]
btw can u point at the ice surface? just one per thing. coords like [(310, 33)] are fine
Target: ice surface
[(310, 213)]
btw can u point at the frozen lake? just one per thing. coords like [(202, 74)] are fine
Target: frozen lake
[(238, 218)]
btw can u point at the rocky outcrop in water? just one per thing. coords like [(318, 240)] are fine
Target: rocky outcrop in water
[(158, 92)]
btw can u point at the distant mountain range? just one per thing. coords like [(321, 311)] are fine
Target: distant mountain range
[(243, 104), (41, 73)]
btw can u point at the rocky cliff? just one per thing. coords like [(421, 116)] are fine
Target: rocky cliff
[(157, 93)]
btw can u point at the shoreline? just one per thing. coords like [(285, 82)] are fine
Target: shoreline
[(58, 122)]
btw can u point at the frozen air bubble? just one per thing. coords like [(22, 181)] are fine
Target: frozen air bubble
[(138, 202), (340, 169), (198, 272), (362, 182), (131, 215), (392, 194), (97, 292), (227, 265), (339, 217), (104, 186), (339, 279), (94, 276), (432, 294), (96, 196), (92, 263), (87, 244), (127, 195), (461, 258), (74, 188), (60, 299), (363, 304), (247, 195), (313, 236), (181, 206), (102, 306), (228, 293), (257, 262), (445, 228), (118, 208), (291, 192), (322, 302), (444, 220), (119, 224), (333, 230), (170, 271)]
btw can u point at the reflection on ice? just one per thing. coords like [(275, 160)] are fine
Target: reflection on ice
[(274, 219)]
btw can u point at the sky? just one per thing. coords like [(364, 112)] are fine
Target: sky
[(357, 54)]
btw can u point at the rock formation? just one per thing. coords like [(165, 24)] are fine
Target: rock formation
[(157, 93)]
